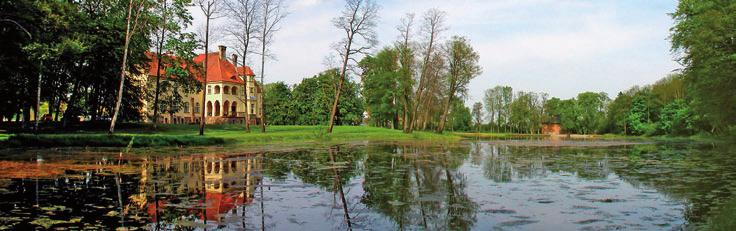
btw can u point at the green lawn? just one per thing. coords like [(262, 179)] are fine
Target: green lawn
[(231, 135)]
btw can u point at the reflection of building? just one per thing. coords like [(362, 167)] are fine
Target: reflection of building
[(225, 93), (224, 181)]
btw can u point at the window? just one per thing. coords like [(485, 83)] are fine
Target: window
[(226, 90), (209, 90), (186, 107), (196, 108), (251, 89), (252, 108), (217, 90), (235, 91)]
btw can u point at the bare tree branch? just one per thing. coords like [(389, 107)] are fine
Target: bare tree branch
[(358, 20)]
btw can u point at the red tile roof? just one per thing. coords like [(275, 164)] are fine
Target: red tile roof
[(218, 70)]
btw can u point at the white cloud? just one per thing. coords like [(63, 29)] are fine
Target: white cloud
[(553, 46)]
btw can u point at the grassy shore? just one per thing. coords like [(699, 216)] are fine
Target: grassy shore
[(229, 135)]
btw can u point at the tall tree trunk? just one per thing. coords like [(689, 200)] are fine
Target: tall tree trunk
[(338, 184), (339, 84), (263, 85), (123, 69), (38, 96), (204, 80), (446, 110), (246, 78), (158, 69)]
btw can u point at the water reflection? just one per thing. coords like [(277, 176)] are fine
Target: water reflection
[(475, 185)]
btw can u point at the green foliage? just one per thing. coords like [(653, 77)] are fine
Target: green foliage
[(703, 38), (278, 104), (381, 87), (591, 111), (311, 101), (677, 118), (459, 117), (497, 101), (76, 47)]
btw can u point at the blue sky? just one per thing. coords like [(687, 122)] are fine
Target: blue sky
[(554, 46)]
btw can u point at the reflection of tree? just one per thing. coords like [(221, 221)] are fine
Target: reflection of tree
[(419, 186), (699, 174), (497, 167), (389, 188), (338, 186), (505, 164), (314, 167), (460, 209)]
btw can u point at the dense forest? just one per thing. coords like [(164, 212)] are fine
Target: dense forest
[(78, 59)]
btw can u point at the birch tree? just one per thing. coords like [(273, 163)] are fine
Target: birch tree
[(135, 8), (211, 10), (357, 21), (272, 12), (245, 19)]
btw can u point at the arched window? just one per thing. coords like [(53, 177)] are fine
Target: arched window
[(209, 108), (209, 90), (226, 90), (235, 90), (217, 108), (217, 90), (225, 106), (234, 109)]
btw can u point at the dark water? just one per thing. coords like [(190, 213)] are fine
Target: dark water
[(471, 185)]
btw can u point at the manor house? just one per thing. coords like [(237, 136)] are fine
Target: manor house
[(225, 101)]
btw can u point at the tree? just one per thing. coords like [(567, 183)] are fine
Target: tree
[(279, 102), (591, 110), (463, 67), (312, 104), (478, 114), (180, 73), (460, 118), (677, 118), (271, 15), (358, 22), (380, 89), (702, 37), (136, 7), (211, 10), (173, 18), (406, 69), (497, 101), (244, 15), (431, 28)]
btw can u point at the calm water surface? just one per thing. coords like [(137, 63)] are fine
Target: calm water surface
[(470, 185)]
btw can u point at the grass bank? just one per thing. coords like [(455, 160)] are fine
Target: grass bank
[(229, 135)]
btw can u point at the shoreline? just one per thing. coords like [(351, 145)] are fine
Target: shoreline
[(233, 136)]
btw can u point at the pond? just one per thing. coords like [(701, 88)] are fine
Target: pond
[(481, 185)]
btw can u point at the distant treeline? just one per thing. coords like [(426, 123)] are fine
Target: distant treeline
[(657, 109)]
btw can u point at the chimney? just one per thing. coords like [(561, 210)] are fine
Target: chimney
[(222, 51), (234, 59)]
